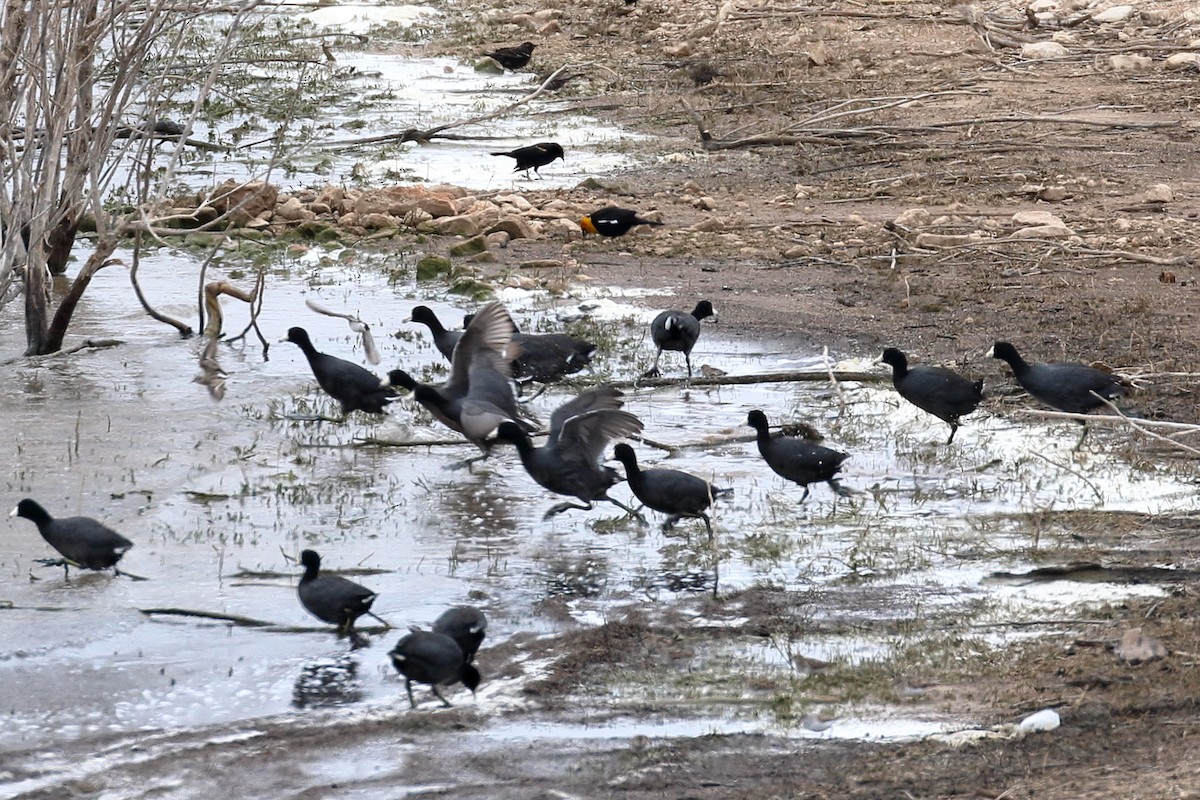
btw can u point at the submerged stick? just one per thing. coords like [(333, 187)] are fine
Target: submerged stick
[(251, 622), (801, 376)]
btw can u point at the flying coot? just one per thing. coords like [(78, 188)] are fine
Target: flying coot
[(569, 462)]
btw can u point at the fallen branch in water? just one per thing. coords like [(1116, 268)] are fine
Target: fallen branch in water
[(248, 622), (801, 376)]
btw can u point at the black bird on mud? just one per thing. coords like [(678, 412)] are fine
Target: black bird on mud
[(355, 388), (478, 396), (678, 331), (534, 156), (1066, 385), (935, 390), (799, 460), (334, 599), (669, 491), (82, 542), (466, 626), (613, 221), (435, 659), (569, 462), (444, 340), (513, 58)]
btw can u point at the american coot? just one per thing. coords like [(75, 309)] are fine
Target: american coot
[(513, 58), (478, 396), (798, 460), (935, 390), (435, 659), (678, 331), (443, 339), (569, 462), (613, 221), (466, 626), (546, 357), (333, 599), (669, 491), (83, 542), (1066, 385), (355, 388), (535, 156)]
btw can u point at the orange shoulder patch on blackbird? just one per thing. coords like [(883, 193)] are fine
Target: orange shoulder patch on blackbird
[(613, 221), (534, 156)]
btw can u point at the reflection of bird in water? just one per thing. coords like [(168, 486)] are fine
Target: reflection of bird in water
[(327, 682), (211, 373), (356, 325)]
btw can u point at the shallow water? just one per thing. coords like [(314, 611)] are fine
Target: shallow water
[(208, 489)]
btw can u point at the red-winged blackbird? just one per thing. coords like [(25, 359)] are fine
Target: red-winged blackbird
[(612, 221), (513, 57), (534, 156)]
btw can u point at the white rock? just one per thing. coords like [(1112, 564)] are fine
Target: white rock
[(913, 218), (1136, 648), (1038, 50), (1130, 63), (1113, 14), (1182, 61), (1042, 6), (1045, 720), (1027, 218), (1160, 193), (1043, 232)]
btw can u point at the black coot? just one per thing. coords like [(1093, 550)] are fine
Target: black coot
[(355, 388), (678, 331), (1066, 385), (82, 541), (569, 462), (466, 626), (443, 339), (935, 390), (332, 598), (669, 491), (798, 460), (434, 659)]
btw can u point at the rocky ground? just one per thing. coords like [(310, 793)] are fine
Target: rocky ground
[(913, 174)]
